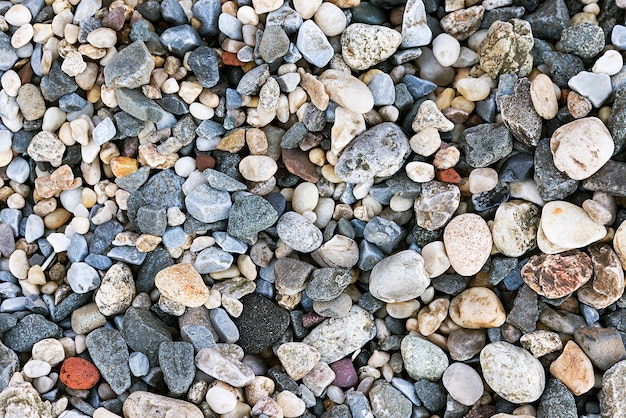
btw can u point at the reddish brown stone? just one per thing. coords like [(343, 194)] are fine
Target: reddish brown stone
[(455, 115), (204, 161), (345, 374), (77, 373), (485, 411), (115, 19), (557, 275), (310, 141), (61, 179), (311, 319), (25, 73), (298, 163), (228, 58), (448, 175)]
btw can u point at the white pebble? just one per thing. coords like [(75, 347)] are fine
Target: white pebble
[(36, 368), (247, 16), (59, 242), (446, 49), (307, 8), (292, 405), (22, 36), (11, 82), (80, 225), (330, 19), (420, 172), (43, 384), (102, 38), (53, 119), (610, 63), (221, 399), (482, 180), (426, 142), (200, 111), (400, 204), (184, 166), (473, 89), (18, 15), (436, 260)]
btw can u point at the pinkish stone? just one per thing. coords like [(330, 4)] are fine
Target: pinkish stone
[(345, 374), (557, 275)]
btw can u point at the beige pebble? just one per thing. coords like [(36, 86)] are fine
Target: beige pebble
[(473, 89), (292, 405), (22, 36), (420, 172), (574, 369), (544, 97), (257, 168), (468, 243), (436, 260), (446, 158), (483, 180), (102, 38), (430, 317), (426, 142), (477, 307)]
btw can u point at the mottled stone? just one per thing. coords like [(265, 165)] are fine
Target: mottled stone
[(423, 359), (468, 242), (607, 284), (519, 114), (557, 275), (477, 307), (364, 46), (436, 204), (514, 228)]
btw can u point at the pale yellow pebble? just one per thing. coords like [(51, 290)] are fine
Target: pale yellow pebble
[(102, 38), (426, 142), (400, 204), (317, 156), (604, 113), (36, 275), (482, 180), (445, 98), (473, 89), (208, 98), (189, 91), (229, 273), (420, 172)]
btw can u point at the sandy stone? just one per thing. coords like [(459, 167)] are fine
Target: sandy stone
[(612, 400), (506, 48), (257, 167), (607, 285), (574, 369), (587, 137), (544, 97), (298, 359), (117, 290), (468, 243), (145, 404), (429, 116), (541, 342), (477, 307), (363, 46), (183, 284), (61, 179), (430, 317), (347, 91)]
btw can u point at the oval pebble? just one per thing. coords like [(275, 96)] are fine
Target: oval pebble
[(468, 242)]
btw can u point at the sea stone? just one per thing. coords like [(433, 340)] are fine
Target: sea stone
[(506, 48), (607, 285), (363, 46), (436, 204), (512, 372), (224, 367), (399, 277), (468, 242), (298, 359), (519, 114), (514, 227), (612, 400), (378, 152), (581, 147), (557, 275), (130, 67), (476, 308), (556, 220), (146, 404), (347, 91), (603, 346), (182, 284), (423, 359), (415, 29), (338, 337), (574, 369)]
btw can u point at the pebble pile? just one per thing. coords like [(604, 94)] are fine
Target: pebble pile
[(312, 208)]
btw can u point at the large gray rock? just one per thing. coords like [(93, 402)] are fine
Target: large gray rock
[(130, 68), (109, 353)]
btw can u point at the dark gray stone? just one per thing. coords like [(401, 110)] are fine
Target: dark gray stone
[(585, 40), (151, 219), (549, 20), (172, 12), (253, 80), (9, 364), (274, 43), (519, 115), (562, 67), (136, 104), (383, 233), (130, 67), (8, 56), (144, 332), (28, 331), (517, 168), (617, 119), (611, 178), (525, 311), (176, 360), (450, 284), (485, 144), (432, 394), (203, 61), (260, 324), (250, 215), (109, 353), (551, 183), (180, 39), (557, 401), (328, 283), (207, 12), (221, 181), (57, 84)]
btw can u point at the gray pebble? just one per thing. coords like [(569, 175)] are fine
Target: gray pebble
[(34, 228), (328, 283), (104, 131), (127, 254), (78, 249), (139, 364), (144, 332), (180, 39), (28, 331), (212, 259), (298, 232), (207, 204), (176, 360), (313, 44), (224, 326), (109, 353), (174, 237), (221, 181), (130, 67), (203, 62), (382, 88), (82, 277), (229, 243)]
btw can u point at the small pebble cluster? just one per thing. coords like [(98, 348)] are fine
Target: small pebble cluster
[(308, 208)]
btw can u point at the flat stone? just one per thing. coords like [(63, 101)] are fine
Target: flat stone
[(260, 324), (109, 352), (574, 369), (386, 401), (399, 277), (463, 383), (210, 260), (298, 233), (364, 46), (335, 338), (136, 104), (144, 332), (313, 44), (587, 136), (593, 86), (207, 204), (612, 403), (476, 308), (524, 313), (327, 284), (415, 30), (603, 346), (117, 290), (423, 359), (557, 401), (555, 217), (519, 114), (607, 284), (224, 367), (512, 372), (130, 68), (146, 404), (347, 91), (176, 360), (557, 275), (468, 242)]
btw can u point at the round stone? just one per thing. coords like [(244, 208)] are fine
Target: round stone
[(463, 383), (78, 373), (49, 350), (446, 49), (512, 372), (468, 242), (117, 290), (183, 284), (298, 232), (474, 89), (257, 167), (477, 307), (423, 359), (544, 97), (557, 217), (399, 277), (330, 18), (574, 369), (298, 359)]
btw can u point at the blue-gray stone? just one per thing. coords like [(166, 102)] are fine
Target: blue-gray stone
[(313, 44), (144, 332), (294, 135), (591, 315), (404, 101), (485, 144), (198, 336), (151, 219), (8, 55), (68, 305), (267, 273), (369, 255), (104, 131), (99, 261), (139, 364), (212, 259), (618, 36), (328, 283), (135, 180), (174, 237), (176, 360), (432, 394), (210, 129), (16, 304), (130, 68), (286, 18), (18, 170), (56, 84), (223, 325), (28, 331), (274, 44), (72, 103), (164, 189), (557, 401), (203, 61), (109, 353), (265, 289), (278, 202), (140, 31), (133, 102), (207, 204), (251, 82), (450, 284), (34, 228), (173, 12), (35, 304), (293, 55), (486, 109), (9, 364), (385, 234), (11, 217), (359, 405), (381, 86), (127, 254), (82, 278), (517, 168), (552, 184), (229, 243), (370, 303), (405, 55), (127, 125), (288, 82), (250, 215), (407, 388), (549, 20), (221, 181), (230, 26), (9, 290), (365, 12), (418, 87), (180, 39), (233, 99), (78, 248), (491, 198), (155, 261), (207, 12), (7, 321), (562, 66), (381, 192), (7, 277)]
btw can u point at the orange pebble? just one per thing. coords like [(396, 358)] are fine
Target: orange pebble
[(78, 373), (123, 166), (448, 175), (228, 58)]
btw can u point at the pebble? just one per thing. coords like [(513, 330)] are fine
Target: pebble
[(224, 368), (385, 400), (468, 243), (603, 346), (519, 115), (176, 362), (415, 30), (78, 373), (544, 97), (446, 50), (496, 50), (512, 372), (141, 404), (574, 369), (423, 359), (260, 324), (595, 87), (129, 68), (515, 227), (298, 232), (298, 359), (477, 307), (463, 383), (557, 214), (364, 46), (313, 44), (399, 277), (347, 91), (557, 275)]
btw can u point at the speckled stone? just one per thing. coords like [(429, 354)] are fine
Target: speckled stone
[(557, 275)]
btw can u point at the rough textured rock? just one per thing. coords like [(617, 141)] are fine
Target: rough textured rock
[(557, 275), (399, 277), (506, 48)]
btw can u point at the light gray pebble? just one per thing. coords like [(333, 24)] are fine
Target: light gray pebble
[(207, 204), (82, 277), (229, 243), (18, 170), (298, 232), (212, 259), (34, 228), (139, 364), (224, 326), (127, 254), (103, 132), (313, 44)]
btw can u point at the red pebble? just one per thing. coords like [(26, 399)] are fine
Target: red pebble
[(345, 374), (78, 373), (228, 58), (448, 175)]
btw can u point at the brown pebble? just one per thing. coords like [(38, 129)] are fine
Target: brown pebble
[(233, 142), (115, 19), (61, 179), (204, 161), (123, 166), (130, 146), (297, 163), (578, 106), (455, 115), (57, 218)]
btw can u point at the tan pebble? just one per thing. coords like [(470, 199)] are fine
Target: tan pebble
[(544, 97), (430, 317), (420, 172), (477, 307), (468, 243), (146, 242), (402, 310), (426, 142), (57, 218), (257, 168), (574, 369), (461, 103), (473, 89), (260, 387), (447, 158), (183, 284), (445, 98), (233, 142), (578, 106), (102, 38)]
